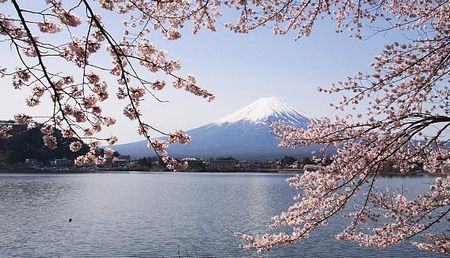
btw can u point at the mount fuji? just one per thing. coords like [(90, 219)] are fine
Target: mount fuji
[(245, 133)]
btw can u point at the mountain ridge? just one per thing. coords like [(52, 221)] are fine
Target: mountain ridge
[(244, 134)]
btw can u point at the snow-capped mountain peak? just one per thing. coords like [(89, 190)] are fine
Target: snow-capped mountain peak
[(245, 133), (265, 111)]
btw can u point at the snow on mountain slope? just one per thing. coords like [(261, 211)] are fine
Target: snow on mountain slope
[(245, 133), (265, 111)]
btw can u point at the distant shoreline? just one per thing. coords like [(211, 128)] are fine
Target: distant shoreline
[(131, 172), (72, 172)]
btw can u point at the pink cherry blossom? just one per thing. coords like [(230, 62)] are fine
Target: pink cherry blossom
[(50, 141), (75, 146)]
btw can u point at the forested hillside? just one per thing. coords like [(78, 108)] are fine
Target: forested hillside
[(27, 144)]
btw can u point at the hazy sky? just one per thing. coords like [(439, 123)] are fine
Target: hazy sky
[(238, 69)]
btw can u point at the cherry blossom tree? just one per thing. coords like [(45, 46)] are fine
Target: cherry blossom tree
[(406, 95), (397, 115), (77, 99)]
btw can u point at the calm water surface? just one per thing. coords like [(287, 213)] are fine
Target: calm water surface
[(159, 214)]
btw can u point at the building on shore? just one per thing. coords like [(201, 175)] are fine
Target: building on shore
[(121, 161), (61, 163), (33, 163), (222, 164)]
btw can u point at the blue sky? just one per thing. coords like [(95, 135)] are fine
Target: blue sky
[(239, 68)]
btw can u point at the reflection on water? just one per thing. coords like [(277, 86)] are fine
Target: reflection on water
[(167, 214)]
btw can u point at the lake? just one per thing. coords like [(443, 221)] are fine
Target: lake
[(160, 214)]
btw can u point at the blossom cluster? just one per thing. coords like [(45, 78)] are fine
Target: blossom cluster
[(5, 131), (161, 146), (439, 244), (48, 137)]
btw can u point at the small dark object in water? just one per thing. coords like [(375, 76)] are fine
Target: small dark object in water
[(70, 220)]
